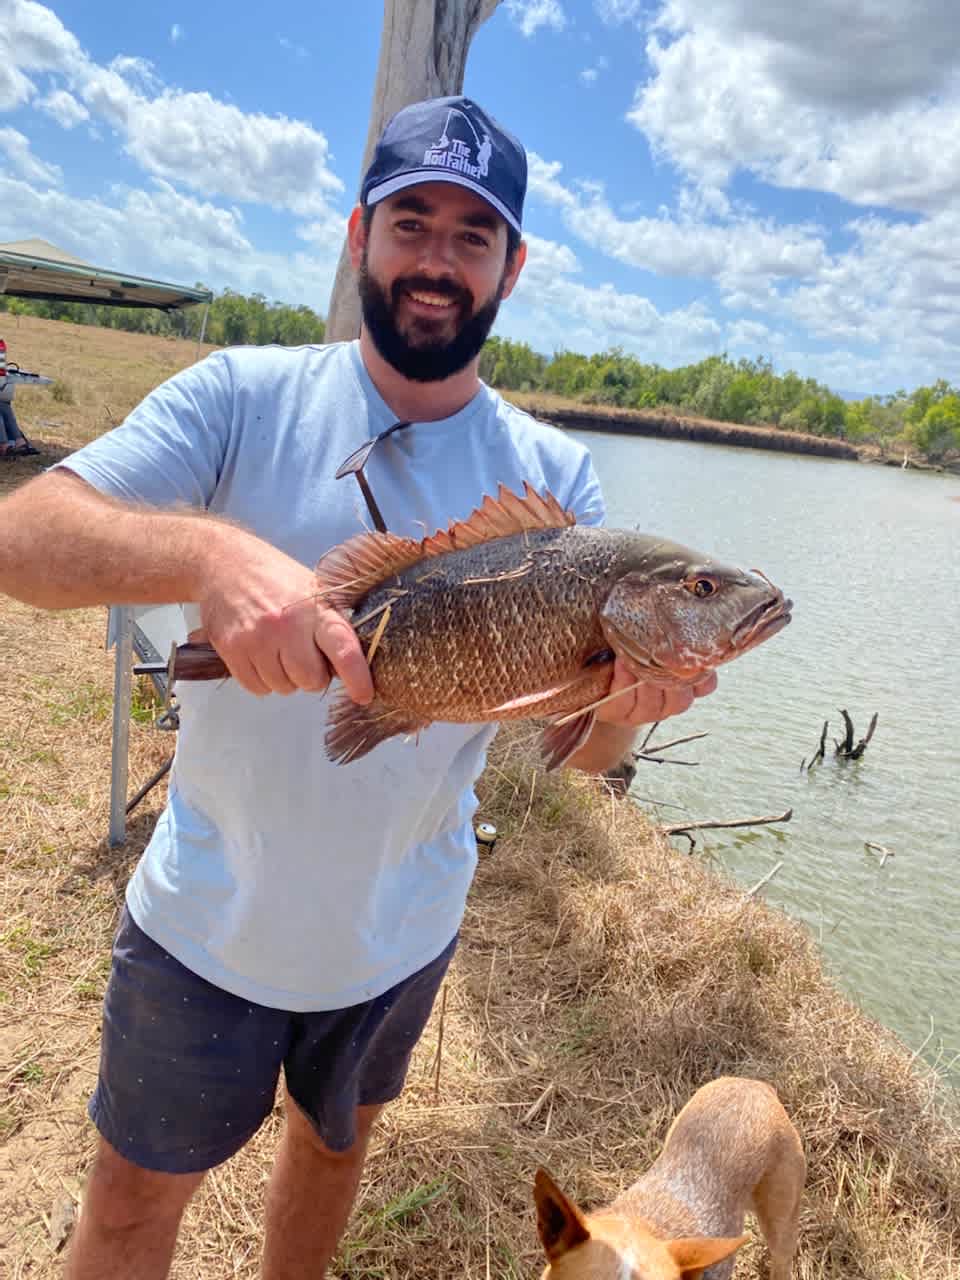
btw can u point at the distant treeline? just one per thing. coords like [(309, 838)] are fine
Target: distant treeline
[(234, 320), (741, 391)]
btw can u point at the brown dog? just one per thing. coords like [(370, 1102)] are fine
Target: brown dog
[(731, 1148)]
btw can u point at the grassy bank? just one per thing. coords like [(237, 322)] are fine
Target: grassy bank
[(601, 978), (103, 373), (672, 426), (100, 374)]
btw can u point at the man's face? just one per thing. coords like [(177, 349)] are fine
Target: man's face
[(432, 271)]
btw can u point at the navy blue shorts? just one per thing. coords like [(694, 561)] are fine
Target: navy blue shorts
[(188, 1072)]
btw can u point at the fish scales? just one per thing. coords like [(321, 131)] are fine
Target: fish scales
[(474, 630), (519, 613)]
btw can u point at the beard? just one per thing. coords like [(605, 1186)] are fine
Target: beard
[(421, 354)]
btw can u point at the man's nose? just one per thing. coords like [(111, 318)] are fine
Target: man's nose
[(437, 251)]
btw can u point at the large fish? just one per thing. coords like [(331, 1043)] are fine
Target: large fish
[(518, 613)]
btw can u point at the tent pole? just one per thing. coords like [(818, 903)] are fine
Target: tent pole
[(203, 327), (122, 620)]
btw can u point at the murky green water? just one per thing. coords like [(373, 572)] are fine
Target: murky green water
[(871, 557)]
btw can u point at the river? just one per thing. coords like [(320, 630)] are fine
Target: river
[(871, 558)]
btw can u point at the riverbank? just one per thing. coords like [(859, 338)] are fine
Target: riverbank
[(101, 374), (671, 426)]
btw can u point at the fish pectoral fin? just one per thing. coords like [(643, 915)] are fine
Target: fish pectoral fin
[(559, 741), (353, 730), (528, 703)]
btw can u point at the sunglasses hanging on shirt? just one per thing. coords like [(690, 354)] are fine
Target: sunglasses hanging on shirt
[(354, 466)]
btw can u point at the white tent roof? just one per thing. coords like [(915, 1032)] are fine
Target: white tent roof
[(37, 269)]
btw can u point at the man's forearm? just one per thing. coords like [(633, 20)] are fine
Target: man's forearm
[(63, 545), (606, 747)]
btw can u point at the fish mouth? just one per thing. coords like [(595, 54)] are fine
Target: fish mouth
[(769, 617)]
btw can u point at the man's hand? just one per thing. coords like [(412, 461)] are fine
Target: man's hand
[(648, 703), (618, 720), (260, 611)]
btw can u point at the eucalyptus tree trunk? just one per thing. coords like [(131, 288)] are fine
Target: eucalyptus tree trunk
[(423, 53)]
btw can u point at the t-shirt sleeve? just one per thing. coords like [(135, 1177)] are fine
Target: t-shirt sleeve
[(586, 496), (171, 449)]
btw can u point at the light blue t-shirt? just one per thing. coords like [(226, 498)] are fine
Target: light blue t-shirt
[(281, 877)]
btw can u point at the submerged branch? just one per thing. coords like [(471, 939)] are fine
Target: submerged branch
[(681, 828)]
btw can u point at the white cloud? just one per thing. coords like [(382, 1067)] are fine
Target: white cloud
[(166, 235), (17, 150), (217, 149), (531, 15), (291, 46), (614, 11), (589, 75), (740, 251), (190, 138), (138, 72), (863, 104), (15, 88), (327, 233), (64, 108), (176, 33), (552, 311), (900, 284), (34, 40)]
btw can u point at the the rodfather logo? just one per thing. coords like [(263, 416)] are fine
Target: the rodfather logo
[(457, 152)]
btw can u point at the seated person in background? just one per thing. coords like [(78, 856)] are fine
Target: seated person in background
[(13, 443)]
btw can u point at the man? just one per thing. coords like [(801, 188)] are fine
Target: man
[(287, 912)]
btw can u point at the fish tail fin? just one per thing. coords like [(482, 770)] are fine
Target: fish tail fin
[(353, 730), (559, 741)]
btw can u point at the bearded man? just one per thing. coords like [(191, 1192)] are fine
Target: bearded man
[(289, 915)]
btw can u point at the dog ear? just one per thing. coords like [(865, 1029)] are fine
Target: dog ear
[(560, 1223), (693, 1254)]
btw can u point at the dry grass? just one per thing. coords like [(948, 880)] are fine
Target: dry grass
[(100, 374), (601, 978)]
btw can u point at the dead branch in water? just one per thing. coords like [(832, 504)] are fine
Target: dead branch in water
[(846, 750), (882, 849), (620, 777), (681, 828), (645, 753), (652, 752), (818, 754), (751, 893)]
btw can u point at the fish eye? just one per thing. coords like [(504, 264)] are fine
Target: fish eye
[(701, 587)]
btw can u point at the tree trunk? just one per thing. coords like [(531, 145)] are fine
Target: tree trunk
[(423, 53)]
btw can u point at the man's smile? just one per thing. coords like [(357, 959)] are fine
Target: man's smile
[(438, 301)]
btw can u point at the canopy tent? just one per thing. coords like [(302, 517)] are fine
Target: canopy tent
[(38, 269)]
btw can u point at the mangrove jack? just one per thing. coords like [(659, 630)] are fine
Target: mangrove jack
[(519, 613)]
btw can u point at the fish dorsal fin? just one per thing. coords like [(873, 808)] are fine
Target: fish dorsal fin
[(347, 572)]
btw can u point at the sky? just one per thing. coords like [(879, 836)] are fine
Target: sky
[(756, 177)]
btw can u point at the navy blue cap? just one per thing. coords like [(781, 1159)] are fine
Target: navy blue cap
[(449, 140)]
